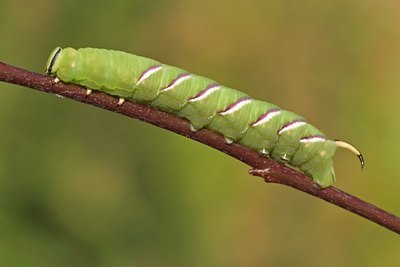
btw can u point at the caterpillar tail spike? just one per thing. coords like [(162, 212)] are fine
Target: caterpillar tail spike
[(353, 149)]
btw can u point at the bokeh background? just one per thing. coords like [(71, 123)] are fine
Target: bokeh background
[(81, 186)]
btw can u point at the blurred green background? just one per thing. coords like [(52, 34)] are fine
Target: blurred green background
[(81, 186)]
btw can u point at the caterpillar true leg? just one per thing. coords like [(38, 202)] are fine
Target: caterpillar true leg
[(55, 80), (120, 101)]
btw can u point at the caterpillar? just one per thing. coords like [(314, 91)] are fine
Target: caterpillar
[(279, 134)]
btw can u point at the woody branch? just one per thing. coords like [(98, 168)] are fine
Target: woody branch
[(269, 170)]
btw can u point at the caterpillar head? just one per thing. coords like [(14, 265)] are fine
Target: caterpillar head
[(52, 64)]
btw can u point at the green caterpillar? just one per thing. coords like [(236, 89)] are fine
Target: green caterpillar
[(282, 135)]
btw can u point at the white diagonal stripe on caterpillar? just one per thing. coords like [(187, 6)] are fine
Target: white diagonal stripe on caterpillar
[(312, 139), (182, 77), (236, 106), (292, 125), (147, 73), (266, 117), (205, 93)]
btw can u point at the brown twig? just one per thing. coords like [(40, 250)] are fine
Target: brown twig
[(271, 171)]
